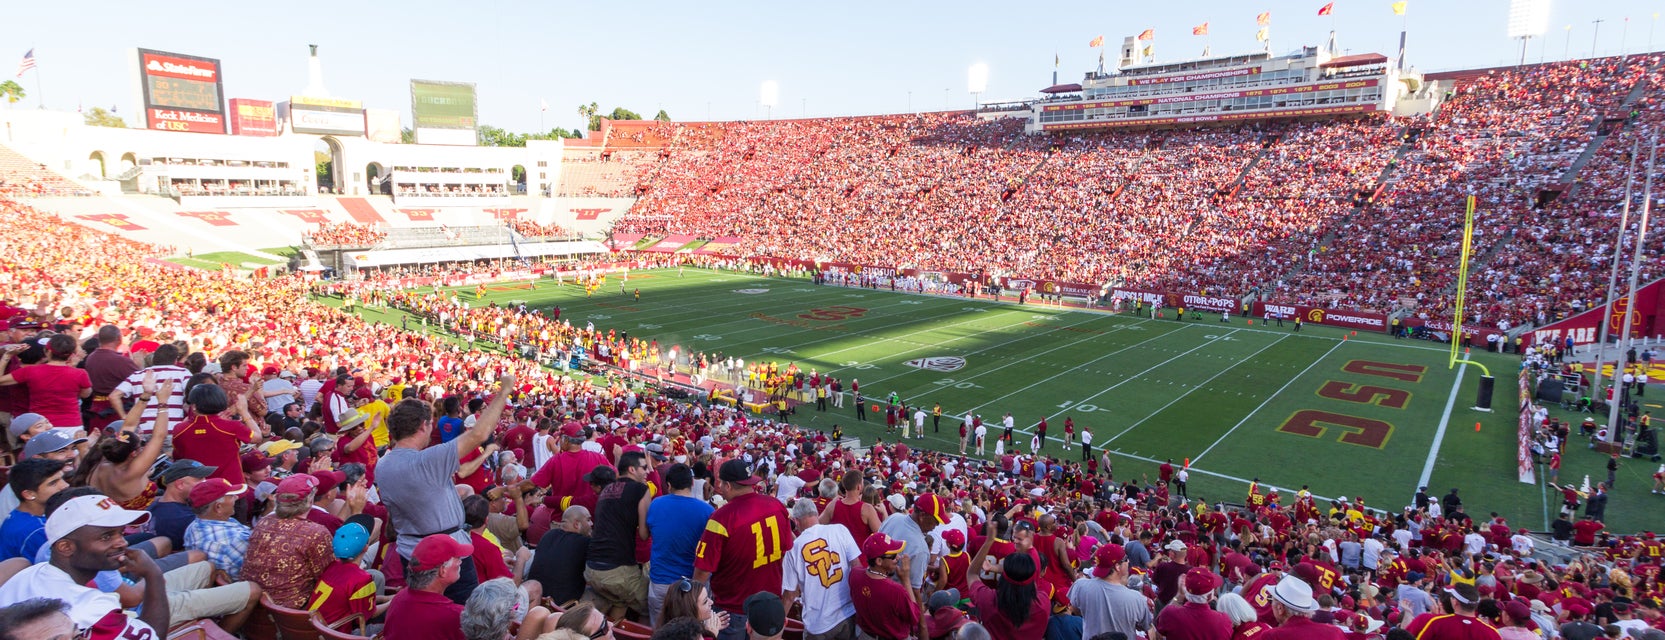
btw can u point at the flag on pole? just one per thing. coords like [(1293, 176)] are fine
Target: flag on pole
[(1265, 18), (1148, 52), (1097, 42), (1200, 30), (1262, 35), (543, 104), (27, 63), (1056, 60), (1149, 34), (1399, 8), (1326, 9)]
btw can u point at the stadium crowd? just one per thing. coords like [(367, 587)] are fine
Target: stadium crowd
[(1358, 213), (317, 466), (343, 234)]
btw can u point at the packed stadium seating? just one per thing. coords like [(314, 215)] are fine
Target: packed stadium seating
[(21, 175)]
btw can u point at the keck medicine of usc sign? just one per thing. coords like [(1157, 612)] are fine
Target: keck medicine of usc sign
[(181, 92)]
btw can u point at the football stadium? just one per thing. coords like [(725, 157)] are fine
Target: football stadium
[(1286, 338)]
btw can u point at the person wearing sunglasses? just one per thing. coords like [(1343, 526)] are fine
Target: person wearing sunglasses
[(689, 598), (586, 620)]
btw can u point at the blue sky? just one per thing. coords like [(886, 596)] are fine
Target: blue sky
[(700, 60)]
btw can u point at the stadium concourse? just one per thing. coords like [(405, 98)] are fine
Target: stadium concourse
[(323, 471)]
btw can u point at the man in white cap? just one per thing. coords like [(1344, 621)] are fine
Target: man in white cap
[(1293, 606), (84, 536), (1166, 575), (1462, 600)]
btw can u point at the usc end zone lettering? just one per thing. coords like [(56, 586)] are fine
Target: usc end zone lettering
[(1360, 431), (1365, 394)]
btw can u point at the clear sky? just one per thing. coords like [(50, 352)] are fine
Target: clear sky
[(707, 60)]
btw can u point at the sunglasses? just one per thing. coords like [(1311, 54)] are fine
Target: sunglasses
[(602, 632), (686, 584)]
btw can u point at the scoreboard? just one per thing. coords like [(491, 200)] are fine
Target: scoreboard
[(181, 92)]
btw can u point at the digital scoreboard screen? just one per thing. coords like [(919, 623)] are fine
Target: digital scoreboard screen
[(178, 93), (181, 92)]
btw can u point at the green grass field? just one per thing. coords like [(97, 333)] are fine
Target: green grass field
[(1349, 415)]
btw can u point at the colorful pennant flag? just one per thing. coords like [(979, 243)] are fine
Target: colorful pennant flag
[(1262, 35), (1399, 8), (1200, 30), (27, 63), (1326, 9), (1148, 52), (1265, 18), (1149, 34), (1097, 42)]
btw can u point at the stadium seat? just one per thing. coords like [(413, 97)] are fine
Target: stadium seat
[(325, 632)]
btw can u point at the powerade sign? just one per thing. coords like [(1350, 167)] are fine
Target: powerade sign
[(181, 92)]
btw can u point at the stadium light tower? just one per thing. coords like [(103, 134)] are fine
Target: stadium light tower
[(977, 81), (770, 97), (1528, 19)]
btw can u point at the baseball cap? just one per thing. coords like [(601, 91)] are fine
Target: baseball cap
[(1200, 581), (279, 447), (350, 540), (945, 598), (1294, 593), (879, 545), (296, 488), (932, 504), (328, 479), (254, 461), (49, 442), (187, 468), (286, 374), (1175, 545), (1414, 576), (1106, 559), (270, 370), (572, 430), (90, 511), (1517, 609), (735, 472), (765, 614), (212, 489), (22, 322), (436, 550), (954, 537), (23, 422)]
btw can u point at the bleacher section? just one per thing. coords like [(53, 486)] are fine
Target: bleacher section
[(33, 178)]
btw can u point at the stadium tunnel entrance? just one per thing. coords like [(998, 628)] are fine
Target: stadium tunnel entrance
[(331, 165), (377, 179)]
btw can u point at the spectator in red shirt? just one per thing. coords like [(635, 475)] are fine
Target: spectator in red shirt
[(345, 588), (1192, 619), (421, 611), (1584, 531), (885, 609), (1014, 609), (1460, 624), (1293, 607), (56, 386), (210, 439)]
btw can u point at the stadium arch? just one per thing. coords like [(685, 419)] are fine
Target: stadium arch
[(376, 179), (97, 159), (336, 164)]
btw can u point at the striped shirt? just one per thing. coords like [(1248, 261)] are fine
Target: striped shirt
[(133, 387)]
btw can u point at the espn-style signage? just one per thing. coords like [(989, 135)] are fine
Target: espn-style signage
[(1646, 319), (253, 117), (181, 92), (1216, 117), (1187, 77), (1215, 95), (1347, 318)]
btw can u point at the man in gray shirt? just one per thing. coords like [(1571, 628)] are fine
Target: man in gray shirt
[(415, 480), (1411, 596), (1138, 552), (1104, 602), (929, 510)]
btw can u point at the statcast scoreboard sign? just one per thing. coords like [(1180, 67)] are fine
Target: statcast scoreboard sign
[(181, 92)]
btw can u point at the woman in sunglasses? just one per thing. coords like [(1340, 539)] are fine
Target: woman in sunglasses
[(688, 598)]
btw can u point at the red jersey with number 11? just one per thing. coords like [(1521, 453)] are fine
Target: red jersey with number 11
[(742, 547)]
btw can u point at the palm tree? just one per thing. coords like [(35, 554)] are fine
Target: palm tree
[(12, 92)]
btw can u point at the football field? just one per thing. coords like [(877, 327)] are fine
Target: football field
[(1349, 415)]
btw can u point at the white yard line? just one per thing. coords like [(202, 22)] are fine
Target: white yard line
[(1187, 393), (1268, 400), (1439, 434), (1071, 369)]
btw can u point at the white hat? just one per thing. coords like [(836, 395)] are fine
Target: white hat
[(1175, 545), (897, 502), (90, 511), (1295, 594)]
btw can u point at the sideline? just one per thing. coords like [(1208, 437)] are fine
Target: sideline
[(1439, 434)]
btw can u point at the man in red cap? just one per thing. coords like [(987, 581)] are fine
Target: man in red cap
[(885, 608), (929, 510), (1104, 602), (744, 542), (421, 611), (287, 552), (1190, 617), (564, 474)]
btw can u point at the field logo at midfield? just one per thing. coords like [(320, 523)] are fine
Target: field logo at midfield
[(751, 291), (938, 363)]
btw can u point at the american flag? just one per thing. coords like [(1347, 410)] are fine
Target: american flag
[(27, 63)]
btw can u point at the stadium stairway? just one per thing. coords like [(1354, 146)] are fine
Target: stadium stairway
[(16, 168), (1601, 136)]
